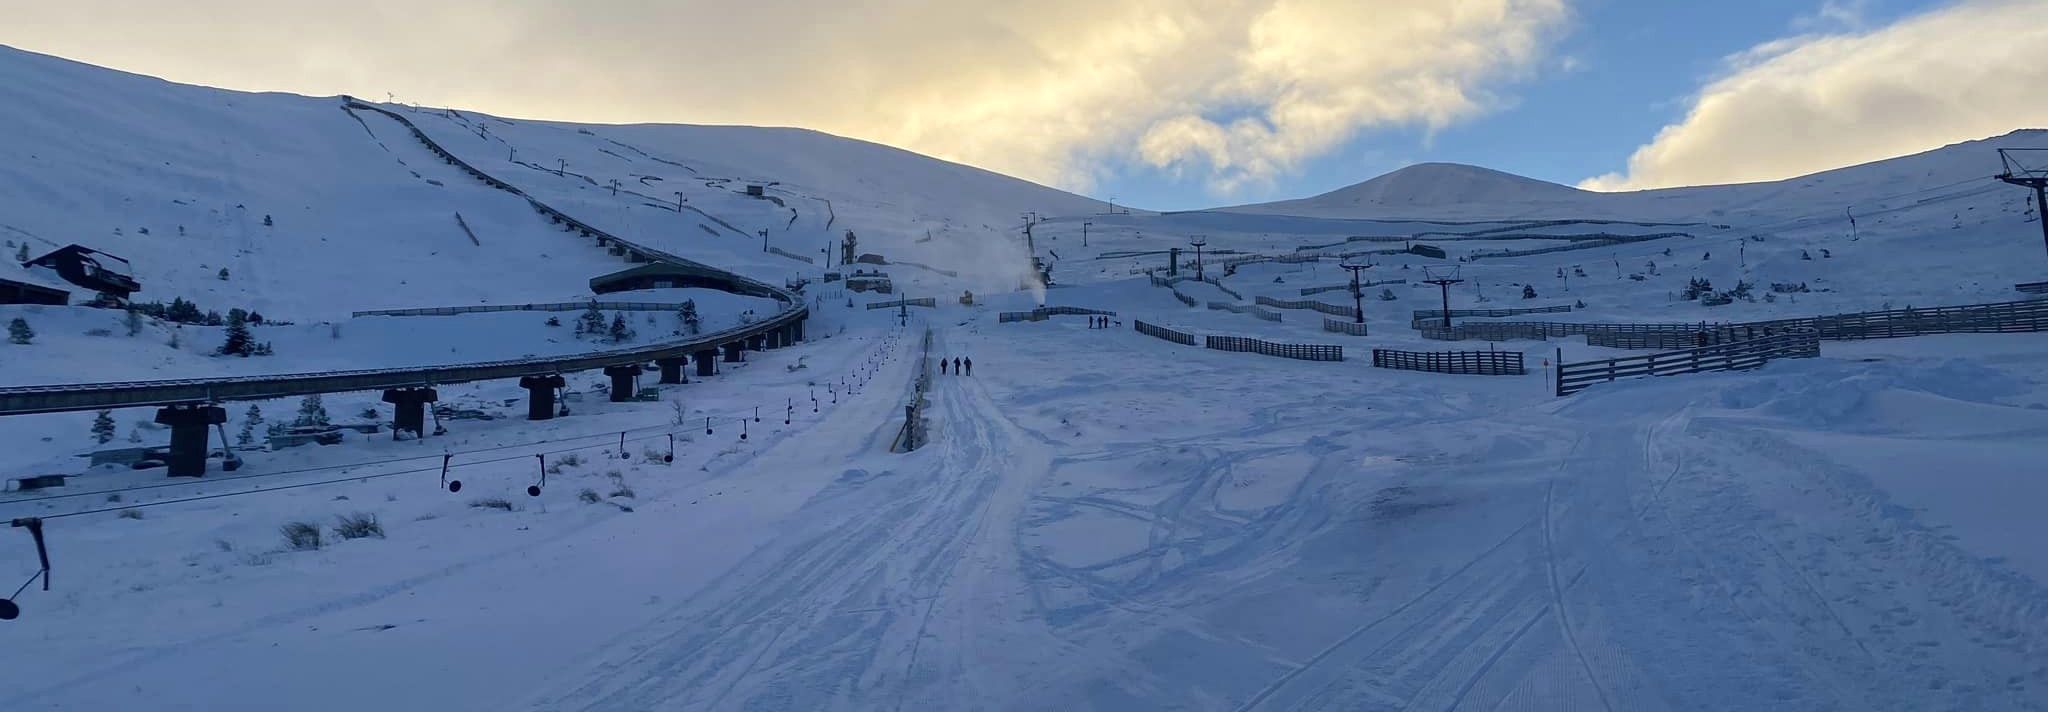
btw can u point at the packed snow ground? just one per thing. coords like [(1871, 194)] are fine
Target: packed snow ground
[(1100, 520), (1107, 521)]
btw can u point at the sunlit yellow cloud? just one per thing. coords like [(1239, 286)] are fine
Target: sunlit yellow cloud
[(1816, 102), (1237, 91)]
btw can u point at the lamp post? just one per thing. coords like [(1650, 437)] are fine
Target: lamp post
[(1357, 300)]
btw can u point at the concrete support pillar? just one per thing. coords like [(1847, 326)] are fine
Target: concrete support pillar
[(188, 436), (796, 329), (672, 370), (757, 342), (735, 352), (1173, 262), (625, 382), (540, 391), (773, 338), (707, 363), (409, 409)]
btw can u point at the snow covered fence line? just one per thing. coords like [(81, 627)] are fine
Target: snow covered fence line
[(1043, 313), (1438, 314), (2031, 288), (1312, 291), (1470, 363), (1304, 352), (1320, 307), (1344, 327), (1265, 314), (1741, 355), (918, 302), (1218, 282), (1184, 299), (549, 307), (1160, 332), (791, 255)]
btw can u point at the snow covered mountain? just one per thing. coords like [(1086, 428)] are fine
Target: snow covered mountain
[(1423, 189), (1959, 173), (312, 212)]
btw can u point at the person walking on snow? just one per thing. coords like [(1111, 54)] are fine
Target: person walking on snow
[(956, 366), (970, 367), (942, 367)]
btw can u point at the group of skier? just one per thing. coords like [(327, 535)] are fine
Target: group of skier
[(1098, 322), (961, 367)]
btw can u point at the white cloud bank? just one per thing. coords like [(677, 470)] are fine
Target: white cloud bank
[(1051, 90), (1810, 103)]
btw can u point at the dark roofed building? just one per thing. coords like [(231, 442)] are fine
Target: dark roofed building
[(91, 269), (16, 290)]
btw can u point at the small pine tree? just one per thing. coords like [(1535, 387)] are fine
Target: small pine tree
[(1804, 255), (1387, 295), (591, 322), (251, 420), (1705, 256), (1580, 304), (133, 321), (1528, 291), (18, 332), (311, 412), (238, 342), (691, 322), (1697, 287), (255, 318), (554, 321), (103, 427), (267, 221), (213, 318), (619, 332), (223, 274)]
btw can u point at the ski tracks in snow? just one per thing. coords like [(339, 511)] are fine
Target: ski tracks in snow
[(884, 590)]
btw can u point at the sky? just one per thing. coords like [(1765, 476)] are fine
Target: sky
[(1161, 104)]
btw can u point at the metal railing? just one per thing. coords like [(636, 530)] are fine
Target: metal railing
[(546, 307), (912, 436)]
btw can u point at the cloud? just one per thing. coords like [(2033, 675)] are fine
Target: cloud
[(1815, 102), (1052, 90)]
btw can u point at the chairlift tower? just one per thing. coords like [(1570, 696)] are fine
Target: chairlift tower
[(1443, 284), (1357, 300), (2028, 173), (1198, 241)]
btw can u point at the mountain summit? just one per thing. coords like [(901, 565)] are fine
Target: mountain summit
[(1425, 185)]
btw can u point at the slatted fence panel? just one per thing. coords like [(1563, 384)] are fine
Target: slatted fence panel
[(1475, 363)]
